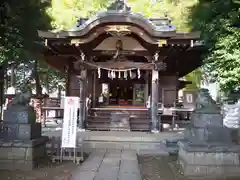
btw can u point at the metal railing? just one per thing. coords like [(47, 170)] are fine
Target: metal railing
[(55, 152)]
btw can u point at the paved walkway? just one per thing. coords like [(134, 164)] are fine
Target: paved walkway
[(109, 165)]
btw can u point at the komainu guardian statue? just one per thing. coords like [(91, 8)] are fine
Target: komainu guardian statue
[(204, 101), (23, 97)]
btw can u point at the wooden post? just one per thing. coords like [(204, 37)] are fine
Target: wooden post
[(68, 78), (85, 94), (146, 91), (154, 101), (94, 89), (81, 96)]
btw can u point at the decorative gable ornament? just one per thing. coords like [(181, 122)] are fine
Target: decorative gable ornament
[(118, 30)]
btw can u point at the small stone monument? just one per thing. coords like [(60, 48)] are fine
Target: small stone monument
[(21, 144), (207, 149)]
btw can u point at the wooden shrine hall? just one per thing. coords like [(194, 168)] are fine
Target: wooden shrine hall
[(125, 63)]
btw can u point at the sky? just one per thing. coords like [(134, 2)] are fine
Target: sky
[(212, 87)]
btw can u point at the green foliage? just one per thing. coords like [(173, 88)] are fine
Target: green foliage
[(196, 78), (65, 13), (74, 9), (18, 28), (18, 37), (219, 22)]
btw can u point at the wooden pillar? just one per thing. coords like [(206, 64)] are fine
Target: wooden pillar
[(154, 101), (146, 93), (82, 84), (94, 97), (85, 94), (68, 78)]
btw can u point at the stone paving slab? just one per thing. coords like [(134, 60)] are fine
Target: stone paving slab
[(86, 175), (109, 164), (129, 176)]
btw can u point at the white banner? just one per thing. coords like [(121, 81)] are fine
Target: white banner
[(69, 130), (231, 115)]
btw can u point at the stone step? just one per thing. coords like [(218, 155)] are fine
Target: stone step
[(119, 145), (172, 145), (144, 141), (159, 149), (153, 152), (142, 148)]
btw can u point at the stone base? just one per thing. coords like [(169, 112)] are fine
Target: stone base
[(209, 160), (19, 114), (22, 155), (13, 131)]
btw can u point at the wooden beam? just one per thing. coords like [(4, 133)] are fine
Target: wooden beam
[(113, 52)]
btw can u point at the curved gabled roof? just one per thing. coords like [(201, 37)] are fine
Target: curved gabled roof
[(120, 8), (118, 13), (163, 24)]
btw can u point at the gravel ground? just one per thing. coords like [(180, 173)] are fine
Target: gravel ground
[(161, 168), (156, 167), (52, 171)]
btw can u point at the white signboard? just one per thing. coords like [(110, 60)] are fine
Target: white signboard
[(189, 98), (69, 130), (231, 116)]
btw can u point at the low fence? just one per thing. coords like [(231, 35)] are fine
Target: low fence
[(56, 153)]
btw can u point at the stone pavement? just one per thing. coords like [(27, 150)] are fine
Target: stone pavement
[(109, 164)]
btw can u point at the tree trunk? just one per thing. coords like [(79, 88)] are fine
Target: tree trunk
[(47, 84), (13, 77), (37, 103), (6, 81), (37, 79)]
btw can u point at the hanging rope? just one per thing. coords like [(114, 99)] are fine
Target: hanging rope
[(116, 70)]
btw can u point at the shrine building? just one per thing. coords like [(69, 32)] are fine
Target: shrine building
[(124, 62)]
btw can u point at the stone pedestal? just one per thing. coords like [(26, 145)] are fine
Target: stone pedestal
[(21, 145), (215, 160), (22, 154), (208, 150)]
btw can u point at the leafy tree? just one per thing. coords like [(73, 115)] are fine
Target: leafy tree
[(18, 28), (74, 10), (175, 9), (196, 78), (219, 22), (18, 48)]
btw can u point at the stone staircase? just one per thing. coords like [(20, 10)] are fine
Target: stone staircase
[(142, 147), (164, 143), (172, 145), (143, 142), (119, 120)]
